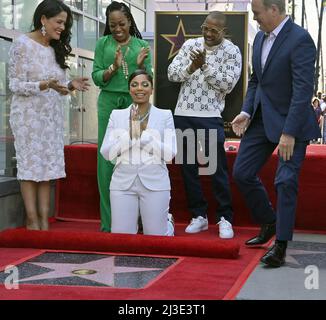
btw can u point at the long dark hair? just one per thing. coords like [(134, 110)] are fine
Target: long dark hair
[(119, 6), (51, 8)]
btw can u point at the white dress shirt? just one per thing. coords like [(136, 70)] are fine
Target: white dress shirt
[(267, 46), (269, 41)]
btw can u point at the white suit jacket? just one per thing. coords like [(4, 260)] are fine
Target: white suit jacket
[(145, 157)]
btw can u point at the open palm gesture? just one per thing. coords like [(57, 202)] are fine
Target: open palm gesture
[(80, 84)]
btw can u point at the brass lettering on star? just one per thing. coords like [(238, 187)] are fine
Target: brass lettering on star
[(83, 271)]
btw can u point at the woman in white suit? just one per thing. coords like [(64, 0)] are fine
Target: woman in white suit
[(140, 140)]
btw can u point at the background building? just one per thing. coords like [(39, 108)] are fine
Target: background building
[(89, 23)]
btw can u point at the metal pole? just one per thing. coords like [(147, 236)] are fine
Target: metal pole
[(293, 10), (322, 69), (303, 13), (319, 45), (206, 5)]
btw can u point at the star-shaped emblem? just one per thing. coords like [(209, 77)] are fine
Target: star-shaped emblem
[(293, 255), (178, 39), (101, 271)]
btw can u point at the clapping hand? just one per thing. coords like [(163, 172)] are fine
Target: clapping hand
[(118, 58), (143, 54), (198, 58)]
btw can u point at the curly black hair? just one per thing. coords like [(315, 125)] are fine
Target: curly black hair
[(119, 6), (51, 8)]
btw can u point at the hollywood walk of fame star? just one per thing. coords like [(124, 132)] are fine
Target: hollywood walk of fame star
[(105, 270), (291, 254), (178, 39)]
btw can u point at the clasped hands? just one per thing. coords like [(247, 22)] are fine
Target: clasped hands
[(136, 127), (286, 143)]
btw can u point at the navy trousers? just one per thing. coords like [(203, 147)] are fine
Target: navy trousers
[(197, 203), (255, 149)]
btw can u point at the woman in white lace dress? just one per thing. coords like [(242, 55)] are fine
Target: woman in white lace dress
[(37, 79)]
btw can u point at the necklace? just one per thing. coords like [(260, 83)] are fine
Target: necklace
[(209, 50), (141, 118), (124, 64)]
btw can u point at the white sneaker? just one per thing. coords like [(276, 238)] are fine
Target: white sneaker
[(225, 228), (170, 231), (197, 225)]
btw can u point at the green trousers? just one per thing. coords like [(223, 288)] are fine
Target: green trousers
[(107, 102)]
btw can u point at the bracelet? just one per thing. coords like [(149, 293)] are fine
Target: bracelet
[(70, 86), (47, 84), (111, 68)]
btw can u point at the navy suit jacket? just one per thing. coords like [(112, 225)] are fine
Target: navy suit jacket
[(285, 87)]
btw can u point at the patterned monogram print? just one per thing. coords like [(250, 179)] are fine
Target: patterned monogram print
[(203, 93)]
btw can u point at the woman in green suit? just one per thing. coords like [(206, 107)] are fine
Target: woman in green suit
[(118, 54)]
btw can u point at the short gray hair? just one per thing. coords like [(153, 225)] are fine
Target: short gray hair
[(279, 3)]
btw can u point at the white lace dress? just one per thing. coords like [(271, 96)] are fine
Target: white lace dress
[(36, 117)]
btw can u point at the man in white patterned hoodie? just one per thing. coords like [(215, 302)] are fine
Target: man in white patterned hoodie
[(208, 69)]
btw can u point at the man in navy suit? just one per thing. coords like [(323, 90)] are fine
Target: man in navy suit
[(276, 113)]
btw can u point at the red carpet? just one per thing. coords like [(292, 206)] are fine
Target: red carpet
[(107, 242), (15, 256), (77, 196), (192, 278), (199, 277)]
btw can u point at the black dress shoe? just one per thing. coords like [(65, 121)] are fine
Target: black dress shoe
[(267, 231), (275, 257)]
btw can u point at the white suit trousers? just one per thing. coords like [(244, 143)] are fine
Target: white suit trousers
[(126, 205)]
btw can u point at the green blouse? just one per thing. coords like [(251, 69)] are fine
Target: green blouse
[(105, 50)]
